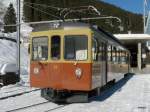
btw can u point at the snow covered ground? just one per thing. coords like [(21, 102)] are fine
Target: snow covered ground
[(8, 54), (128, 95)]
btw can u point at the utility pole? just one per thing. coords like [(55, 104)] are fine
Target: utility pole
[(144, 15), (18, 37)]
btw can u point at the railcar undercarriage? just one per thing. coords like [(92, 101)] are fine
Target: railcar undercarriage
[(64, 96)]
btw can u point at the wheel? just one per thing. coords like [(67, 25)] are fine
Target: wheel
[(48, 94)]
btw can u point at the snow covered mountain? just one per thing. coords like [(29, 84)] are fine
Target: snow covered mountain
[(8, 54), (8, 49)]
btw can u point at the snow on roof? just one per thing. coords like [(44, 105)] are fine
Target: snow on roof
[(132, 36), (8, 51)]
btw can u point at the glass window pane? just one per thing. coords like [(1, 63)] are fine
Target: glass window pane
[(109, 52), (94, 49), (40, 48), (76, 47), (55, 47)]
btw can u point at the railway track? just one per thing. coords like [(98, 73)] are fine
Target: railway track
[(22, 108), (28, 108), (18, 94), (11, 91), (56, 108), (12, 88), (32, 102)]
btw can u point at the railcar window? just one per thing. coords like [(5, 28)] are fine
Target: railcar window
[(109, 52), (117, 55), (76, 47), (120, 56), (123, 58), (114, 55), (100, 50), (55, 47), (127, 57), (40, 48), (95, 49)]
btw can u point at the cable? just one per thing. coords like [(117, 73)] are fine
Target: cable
[(69, 9), (68, 20), (42, 5), (80, 11), (43, 11)]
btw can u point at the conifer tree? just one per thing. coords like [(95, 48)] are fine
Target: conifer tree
[(10, 18)]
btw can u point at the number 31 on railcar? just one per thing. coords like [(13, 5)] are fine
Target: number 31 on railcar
[(71, 59)]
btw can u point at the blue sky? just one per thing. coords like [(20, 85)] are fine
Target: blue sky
[(135, 6)]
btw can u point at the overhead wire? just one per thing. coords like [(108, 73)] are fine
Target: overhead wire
[(60, 20), (68, 20), (25, 3), (57, 8), (42, 5), (69, 9), (42, 11), (80, 11)]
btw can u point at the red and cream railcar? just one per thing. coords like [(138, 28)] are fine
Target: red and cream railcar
[(72, 59)]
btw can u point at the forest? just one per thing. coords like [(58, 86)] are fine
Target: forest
[(46, 10)]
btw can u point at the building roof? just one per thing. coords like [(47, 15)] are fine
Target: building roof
[(133, 39), (132, 36)]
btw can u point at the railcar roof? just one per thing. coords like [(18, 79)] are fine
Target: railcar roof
[(60, 25)]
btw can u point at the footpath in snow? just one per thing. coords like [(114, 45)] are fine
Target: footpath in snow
[(128, 95)]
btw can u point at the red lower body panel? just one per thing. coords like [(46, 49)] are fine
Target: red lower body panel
[(61, 76)]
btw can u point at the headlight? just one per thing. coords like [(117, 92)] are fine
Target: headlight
[(78, 72), (36, 70)]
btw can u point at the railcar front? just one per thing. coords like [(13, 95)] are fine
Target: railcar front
[(61, 62)]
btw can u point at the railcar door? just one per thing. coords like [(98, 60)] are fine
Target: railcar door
[(99, 54), (55, 65), (104, 64), (97, 64)]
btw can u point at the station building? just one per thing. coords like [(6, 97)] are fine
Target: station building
[(140, 50)]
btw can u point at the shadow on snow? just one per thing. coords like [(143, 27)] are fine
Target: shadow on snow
[(117, 87)]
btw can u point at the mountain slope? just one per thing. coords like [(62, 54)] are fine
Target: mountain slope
[(130, 21)]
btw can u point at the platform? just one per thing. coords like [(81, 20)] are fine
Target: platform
[(131, 94)]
